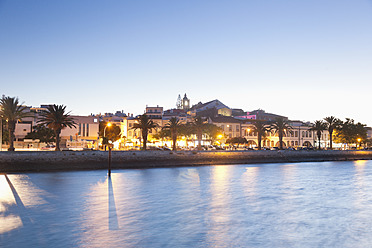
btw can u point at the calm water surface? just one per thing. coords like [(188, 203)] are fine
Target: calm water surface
[(268, 205)]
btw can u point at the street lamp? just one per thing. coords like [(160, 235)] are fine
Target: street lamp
[(104, 131), (359, 139)]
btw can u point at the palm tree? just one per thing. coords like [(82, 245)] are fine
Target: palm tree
[(198, 125), (12, 111), (173, 125), (260, 127), (56, 118), (319, 127), (331, 124), (145, 124), (280, 125)]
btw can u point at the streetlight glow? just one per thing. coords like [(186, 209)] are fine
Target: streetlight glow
[(104, 130)]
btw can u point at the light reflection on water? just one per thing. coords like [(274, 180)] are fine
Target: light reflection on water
[(267, 205)]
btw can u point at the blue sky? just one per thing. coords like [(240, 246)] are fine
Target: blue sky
[(302, 59)]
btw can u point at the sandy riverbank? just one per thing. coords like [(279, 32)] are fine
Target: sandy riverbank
[(95, 160)]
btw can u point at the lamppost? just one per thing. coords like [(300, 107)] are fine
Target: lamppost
[(359, 140), (104, 131)]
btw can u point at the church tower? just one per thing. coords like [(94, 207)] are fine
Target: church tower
[(179, 102), (185, 103)]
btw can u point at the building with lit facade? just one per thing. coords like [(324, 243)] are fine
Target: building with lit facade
[(83, 135)]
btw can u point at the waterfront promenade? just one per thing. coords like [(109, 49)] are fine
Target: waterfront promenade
[(96, 160)]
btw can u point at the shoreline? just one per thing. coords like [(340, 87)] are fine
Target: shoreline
[(46, 161)]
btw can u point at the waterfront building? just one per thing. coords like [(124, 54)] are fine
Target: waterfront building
[(230, 126), (300, 135), (154, 112), (84, 135), (210, 109), (181, 114)]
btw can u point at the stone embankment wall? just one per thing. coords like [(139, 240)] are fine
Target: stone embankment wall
[(95, 160)]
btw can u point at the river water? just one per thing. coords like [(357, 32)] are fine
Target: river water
[(325, 204)]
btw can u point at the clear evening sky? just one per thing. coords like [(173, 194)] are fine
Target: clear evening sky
[(302, 59)]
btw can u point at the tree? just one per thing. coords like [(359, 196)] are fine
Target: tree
[(368, 142), (145, 124), (237, 140), (212, 131), (5, 134), (42, 133), (161, 135), (331, 123), (187, 130), (198, 125), (173, 125), (56, 118), (348, 132), (12, 111), (280, 125), (260, 127), (319, 127)]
